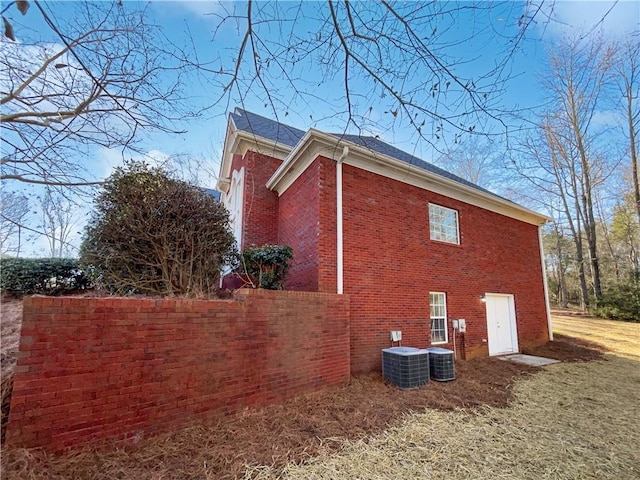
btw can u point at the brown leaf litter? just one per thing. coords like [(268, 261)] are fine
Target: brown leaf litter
[(294, 431)]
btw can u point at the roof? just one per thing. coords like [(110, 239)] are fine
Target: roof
[(282, 133), (213, 193), (379, 146), (297, 149), (266, 128)]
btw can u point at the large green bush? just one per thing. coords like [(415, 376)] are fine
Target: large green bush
[(621, 302), (47, 276), (267, 265), (156, 235)]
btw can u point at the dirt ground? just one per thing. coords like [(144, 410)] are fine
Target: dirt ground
[(269, 440), (10, 321)]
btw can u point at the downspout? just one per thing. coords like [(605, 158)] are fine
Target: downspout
[(544, 282), (339, 234)]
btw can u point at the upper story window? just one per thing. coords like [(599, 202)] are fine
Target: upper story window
[(443, 224)]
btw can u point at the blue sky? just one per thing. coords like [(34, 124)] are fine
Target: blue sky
[(194, 22), (199, 18)]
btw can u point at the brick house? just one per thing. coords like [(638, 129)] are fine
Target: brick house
[(413, 246)]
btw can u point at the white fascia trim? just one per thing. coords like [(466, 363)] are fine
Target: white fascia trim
[(310, 146), (224, 176), (239, 141), (316, 143)]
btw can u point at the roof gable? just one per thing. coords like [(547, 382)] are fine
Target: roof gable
[(298, 148)]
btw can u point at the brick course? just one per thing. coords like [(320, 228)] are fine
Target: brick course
[(123, 369)]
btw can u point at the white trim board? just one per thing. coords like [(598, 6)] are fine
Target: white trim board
[(316, 143)]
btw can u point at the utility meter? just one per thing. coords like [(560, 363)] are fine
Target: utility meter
[(462, 325)]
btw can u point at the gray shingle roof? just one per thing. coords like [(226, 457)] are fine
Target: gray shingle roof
[(379, 146), (214, 193), (281, 133), (267, 128)]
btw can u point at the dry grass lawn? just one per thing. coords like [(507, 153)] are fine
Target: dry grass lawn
[(622, 337), (570, 421)]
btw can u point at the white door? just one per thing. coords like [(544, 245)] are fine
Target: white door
[(501, 324)]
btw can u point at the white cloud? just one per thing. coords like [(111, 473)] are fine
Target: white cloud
[(607, 118), (611, 17), (199, 8), (107, 160)]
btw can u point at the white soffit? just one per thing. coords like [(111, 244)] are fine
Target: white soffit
[(316, 143)]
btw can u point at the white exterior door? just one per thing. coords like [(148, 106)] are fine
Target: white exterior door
[(502, 330)]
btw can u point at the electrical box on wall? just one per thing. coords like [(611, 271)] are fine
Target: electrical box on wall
[(396, 335), (462, 325)]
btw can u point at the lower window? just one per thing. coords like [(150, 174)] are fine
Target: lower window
[(438, 313)]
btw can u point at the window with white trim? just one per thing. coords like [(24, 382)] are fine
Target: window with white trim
[(438, 314), (443, 224), (235, 204)]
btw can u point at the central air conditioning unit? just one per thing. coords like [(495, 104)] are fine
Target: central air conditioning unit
[(406, 367), (441, 364)]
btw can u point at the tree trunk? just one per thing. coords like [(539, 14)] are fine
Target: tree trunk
[(634, 153), (561, 271)]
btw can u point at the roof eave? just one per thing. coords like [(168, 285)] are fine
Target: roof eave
[(362, 157)]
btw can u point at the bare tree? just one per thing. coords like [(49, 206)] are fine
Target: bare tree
[(547, 162), (14, 208), (579, 70), (556, 249), (106, 81), (475, 159), (389, 63), (627, 68), (625, 232), (58, 217)]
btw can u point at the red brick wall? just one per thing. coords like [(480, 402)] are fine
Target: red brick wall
[(298, 227), (260, 212), (113, 368), (307, 222), (391, 265), (327, 250)]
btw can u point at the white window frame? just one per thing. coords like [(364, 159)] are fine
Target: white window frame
[(438, 316), (438, 230), (234, 201)]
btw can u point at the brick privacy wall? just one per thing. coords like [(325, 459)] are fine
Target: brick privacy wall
[(123, 369), (260, 210), (391, 265)]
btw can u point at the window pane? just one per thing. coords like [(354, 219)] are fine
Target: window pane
[(438, 333), (438, 314), (443, 224)]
